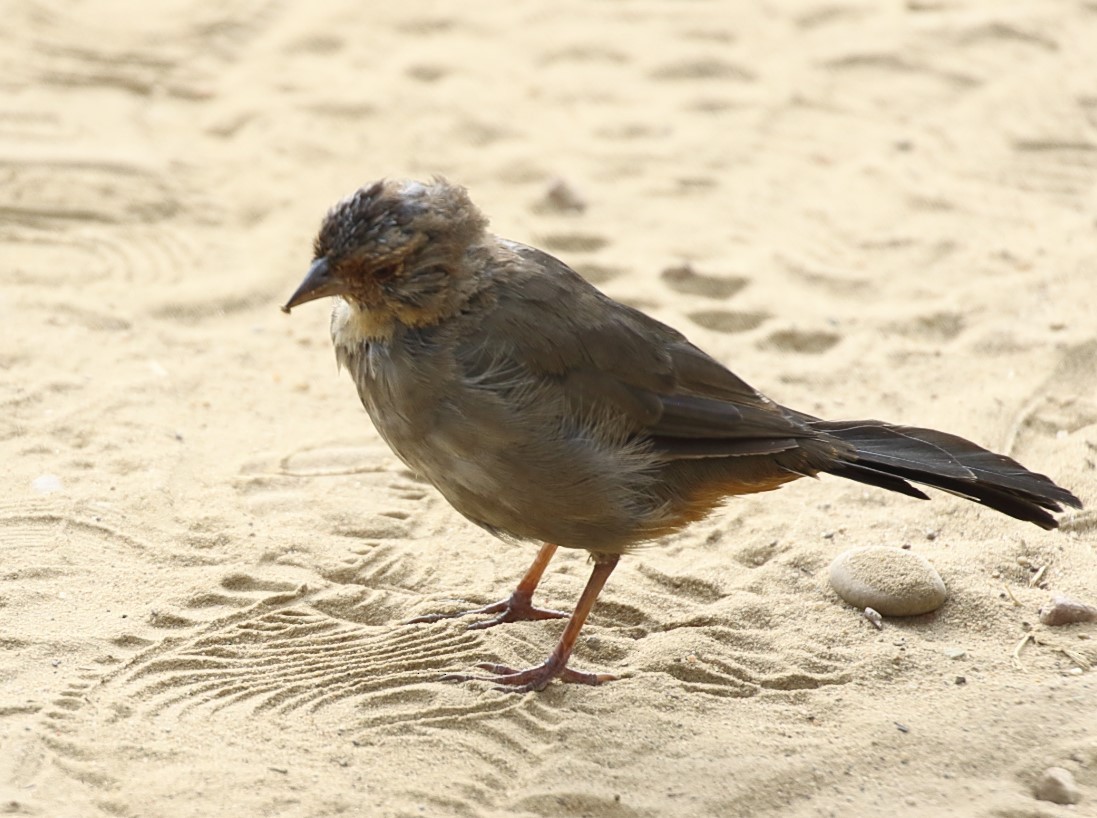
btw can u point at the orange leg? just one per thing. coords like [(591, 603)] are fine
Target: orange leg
[(517, 607), (555, 667)]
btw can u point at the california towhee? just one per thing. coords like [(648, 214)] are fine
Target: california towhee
[(543, 410)]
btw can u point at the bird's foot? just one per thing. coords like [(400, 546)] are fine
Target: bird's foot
[(515, 608), (509, 680)]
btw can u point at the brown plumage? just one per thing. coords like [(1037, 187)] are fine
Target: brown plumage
[(543, 410)]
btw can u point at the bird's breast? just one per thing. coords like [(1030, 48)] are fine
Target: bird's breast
[(517, 461)]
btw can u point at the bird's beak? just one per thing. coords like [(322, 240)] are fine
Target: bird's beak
[(318, 283)]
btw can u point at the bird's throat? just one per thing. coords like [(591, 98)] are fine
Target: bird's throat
[(353, 324)]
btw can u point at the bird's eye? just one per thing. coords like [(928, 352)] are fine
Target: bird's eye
[(386, 273)]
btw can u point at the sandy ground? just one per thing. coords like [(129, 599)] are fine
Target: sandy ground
[(888, 211)]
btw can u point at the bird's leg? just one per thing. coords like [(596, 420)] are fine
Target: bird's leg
[(556, 666), (515, 608)]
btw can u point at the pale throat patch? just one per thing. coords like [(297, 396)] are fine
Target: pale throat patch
[(351, 326)]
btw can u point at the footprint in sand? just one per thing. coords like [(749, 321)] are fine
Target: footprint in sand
[(729, 321), (687, 281), (805, 342)]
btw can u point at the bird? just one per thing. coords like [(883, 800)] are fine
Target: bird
[(546, 412)]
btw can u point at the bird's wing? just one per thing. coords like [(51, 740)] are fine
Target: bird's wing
[(606, 356)]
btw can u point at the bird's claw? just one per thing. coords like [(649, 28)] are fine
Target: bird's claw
[(515, 608), (508, 680)]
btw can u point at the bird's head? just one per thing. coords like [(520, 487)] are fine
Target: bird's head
[(395, 247)]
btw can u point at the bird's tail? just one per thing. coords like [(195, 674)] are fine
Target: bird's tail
[(888, 456)]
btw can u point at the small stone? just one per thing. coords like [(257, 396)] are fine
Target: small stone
[(1057, 786), (960, 680), (1062, 610), (955, 653), (890, 580), (873, 617)]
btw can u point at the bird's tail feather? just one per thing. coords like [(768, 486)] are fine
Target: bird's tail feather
[(888, 456)]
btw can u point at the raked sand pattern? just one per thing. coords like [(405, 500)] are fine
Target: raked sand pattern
[(207, 554)]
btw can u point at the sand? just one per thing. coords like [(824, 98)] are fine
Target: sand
[(866, 209)]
